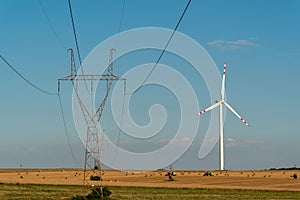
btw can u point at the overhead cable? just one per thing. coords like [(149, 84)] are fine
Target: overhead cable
[(51, 25), (124, 96), (66, 130), (74, 32), (25, 79), (166, 46)]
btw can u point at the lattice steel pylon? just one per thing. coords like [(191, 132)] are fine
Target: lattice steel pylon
[(92, 165)]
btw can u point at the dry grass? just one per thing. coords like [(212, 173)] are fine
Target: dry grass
[(249, 180)]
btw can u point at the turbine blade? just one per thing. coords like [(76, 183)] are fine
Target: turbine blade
[(223, 83), (210, 108), (234, 112)]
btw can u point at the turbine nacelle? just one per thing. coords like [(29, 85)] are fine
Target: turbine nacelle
[(220, 101)]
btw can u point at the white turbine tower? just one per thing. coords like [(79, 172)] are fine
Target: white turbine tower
[(220, 103)]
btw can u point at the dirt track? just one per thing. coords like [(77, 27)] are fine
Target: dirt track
[(254, 180)]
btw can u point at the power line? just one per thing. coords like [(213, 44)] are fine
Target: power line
[(124, 96), (74, 32), (121, 124), (166, 46), (122, 15), (66, 130), (25, 79), (51, 25), (59, 97), (76, 42), (120, 24)]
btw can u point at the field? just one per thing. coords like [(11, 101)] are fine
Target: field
[(65, 183), (27, 191)]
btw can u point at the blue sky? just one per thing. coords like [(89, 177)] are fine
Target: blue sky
[(258, 39)]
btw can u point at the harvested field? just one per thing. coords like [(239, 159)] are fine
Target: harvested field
[(281, 180)]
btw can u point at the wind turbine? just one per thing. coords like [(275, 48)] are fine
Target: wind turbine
[(220, 103)]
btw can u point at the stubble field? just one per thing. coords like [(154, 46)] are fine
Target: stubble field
[(254, 180), (265, 184)]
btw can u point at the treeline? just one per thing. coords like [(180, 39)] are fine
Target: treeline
[(289, 168)]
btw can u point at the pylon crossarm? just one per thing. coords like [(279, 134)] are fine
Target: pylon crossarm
[(91, 77)]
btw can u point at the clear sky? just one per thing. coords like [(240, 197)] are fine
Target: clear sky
[(258, 39)]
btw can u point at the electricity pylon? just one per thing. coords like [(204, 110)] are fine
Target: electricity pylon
[(92, 147)]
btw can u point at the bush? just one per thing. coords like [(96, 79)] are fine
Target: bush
[(96, 193), (95, 178), (79, 198), (209, 174), (295, 176), (106, 192)]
